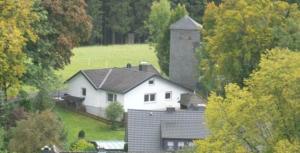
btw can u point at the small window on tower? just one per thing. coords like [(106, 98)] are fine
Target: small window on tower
[(168, 95), (83, 91)]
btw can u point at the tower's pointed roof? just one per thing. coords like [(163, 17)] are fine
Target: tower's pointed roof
[(186, 23)]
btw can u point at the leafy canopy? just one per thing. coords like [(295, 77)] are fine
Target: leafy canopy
[(236, 33), (38, 130), (16, 18), (263, 116), (158, 23)]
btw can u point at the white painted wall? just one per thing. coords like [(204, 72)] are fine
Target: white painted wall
[(96, 100), (134, 99)]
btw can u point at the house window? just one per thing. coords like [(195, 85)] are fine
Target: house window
[(152, 97), (151, 82), (180, 145), (168, 95), (146, 98), (170, 145), (111, 97), (83, 91), (191, 144), (149, 97)]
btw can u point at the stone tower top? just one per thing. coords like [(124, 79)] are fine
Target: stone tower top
[(186, 23)]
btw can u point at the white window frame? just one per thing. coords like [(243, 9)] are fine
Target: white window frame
[(170, 92), (115, 98), (180, 144), (170, 145)]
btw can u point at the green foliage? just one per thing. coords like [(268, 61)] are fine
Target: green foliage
[(2, 141), (158, 23), (263, 116), (33, 133), (15, 30), (81, 134), (82, 145), (63, 25), (113, 112), (94, 9), (94, 129), (236, 33)]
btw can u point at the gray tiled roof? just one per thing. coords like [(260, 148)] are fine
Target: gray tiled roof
[(119, 80), (181, 129), (145, 127), (186, 23)]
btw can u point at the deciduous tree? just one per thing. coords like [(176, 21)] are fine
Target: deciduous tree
[(236, 33), (158, 23), (36, 131), (263, 116), (16, 18)]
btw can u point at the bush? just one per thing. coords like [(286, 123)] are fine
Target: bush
[(82, 145), (39, 129), (81, 134), (113, 112)]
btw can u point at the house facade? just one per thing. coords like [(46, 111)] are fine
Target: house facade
[(134, 88)]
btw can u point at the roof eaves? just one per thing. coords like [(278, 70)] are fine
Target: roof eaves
[(87, 77)]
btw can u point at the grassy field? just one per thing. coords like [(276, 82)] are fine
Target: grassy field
[(108, 56), (94, 129)]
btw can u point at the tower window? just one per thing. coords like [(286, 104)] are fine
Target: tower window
[(83, 91)]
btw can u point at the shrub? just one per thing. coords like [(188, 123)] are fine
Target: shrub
[(113, 112), (82, 145), (81, 134), (31, 134)]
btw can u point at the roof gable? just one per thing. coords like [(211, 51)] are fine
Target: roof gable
[(186, 23)]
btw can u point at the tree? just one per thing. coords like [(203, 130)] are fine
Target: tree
[(236, 33), (36, 131), (113, 112), (94, 9), (16, 18), (63, 26), (263, 116), (117, 19), (2, 141), (158, 23)]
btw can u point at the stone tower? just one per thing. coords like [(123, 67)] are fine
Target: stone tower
[(185, 38)]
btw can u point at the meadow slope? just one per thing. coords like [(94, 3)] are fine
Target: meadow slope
[(108, 56)]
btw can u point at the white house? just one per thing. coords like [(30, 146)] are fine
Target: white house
[(139, 87)]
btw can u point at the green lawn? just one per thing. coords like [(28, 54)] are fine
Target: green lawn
[(94, 129), (108, 56)]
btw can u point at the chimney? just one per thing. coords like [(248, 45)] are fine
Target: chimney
[(143, 66), (170, 109), (128, 65)]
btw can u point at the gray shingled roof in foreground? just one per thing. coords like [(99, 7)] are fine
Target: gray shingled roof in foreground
[(119, 80), (181, 129), (186, 23), (145, 128)]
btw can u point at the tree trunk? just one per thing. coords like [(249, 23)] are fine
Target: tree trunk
[(113, 37)]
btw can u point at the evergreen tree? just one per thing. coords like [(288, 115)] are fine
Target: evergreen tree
[(94, 9)]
